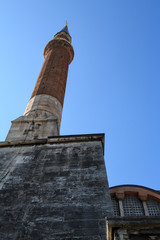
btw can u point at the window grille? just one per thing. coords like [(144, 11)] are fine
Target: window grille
[(115, 207), (153, 207), (132, 206)]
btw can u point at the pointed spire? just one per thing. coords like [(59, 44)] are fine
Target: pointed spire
[(65, 29)]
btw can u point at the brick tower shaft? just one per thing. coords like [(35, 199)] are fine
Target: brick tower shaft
[(42, 116)]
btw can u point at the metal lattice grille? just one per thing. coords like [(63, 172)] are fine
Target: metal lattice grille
[(132, 206), (115, 207), (153, 207)]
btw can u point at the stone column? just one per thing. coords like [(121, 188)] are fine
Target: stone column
[(42, 116)]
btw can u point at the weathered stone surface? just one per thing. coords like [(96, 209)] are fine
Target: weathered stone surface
[(45, 103), (35, 125), (54, 191)]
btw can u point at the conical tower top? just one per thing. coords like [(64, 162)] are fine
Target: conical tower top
[(64, 30)]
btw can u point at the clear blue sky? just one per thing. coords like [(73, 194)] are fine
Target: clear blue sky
[(113, 82)]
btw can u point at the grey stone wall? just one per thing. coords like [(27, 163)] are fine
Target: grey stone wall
[(53, 191)]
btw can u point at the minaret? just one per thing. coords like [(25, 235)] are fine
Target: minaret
[(42, 116), (52, 187)]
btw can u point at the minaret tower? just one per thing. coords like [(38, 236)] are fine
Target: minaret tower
[(52, 187), (42, 116)]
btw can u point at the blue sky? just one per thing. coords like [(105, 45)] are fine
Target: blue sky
[(113, 83)]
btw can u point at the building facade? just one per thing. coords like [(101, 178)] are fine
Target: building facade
[(136, 213), (56, 187)]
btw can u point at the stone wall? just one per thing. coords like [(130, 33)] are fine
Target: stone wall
[(53, 190)]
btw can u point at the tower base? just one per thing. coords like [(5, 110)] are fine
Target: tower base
[(36, 125)]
